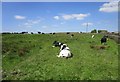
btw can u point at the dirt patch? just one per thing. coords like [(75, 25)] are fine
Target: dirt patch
[(98, 47)]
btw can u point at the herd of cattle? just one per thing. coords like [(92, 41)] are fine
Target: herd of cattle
[(65, 50)]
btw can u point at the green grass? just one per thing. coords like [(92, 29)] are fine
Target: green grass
[(31, 57)]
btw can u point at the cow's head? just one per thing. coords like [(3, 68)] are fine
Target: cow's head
[(57, 44)]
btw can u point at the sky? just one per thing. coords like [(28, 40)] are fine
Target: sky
[(59, 16)]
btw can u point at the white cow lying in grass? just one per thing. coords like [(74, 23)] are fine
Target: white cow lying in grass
[(64, 51)]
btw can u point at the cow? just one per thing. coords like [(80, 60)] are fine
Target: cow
[(104, 39), (64, 51), (93, 36), (72, 35), (57, 44)]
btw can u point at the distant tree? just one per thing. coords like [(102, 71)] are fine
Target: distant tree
[(15, 33), (68, 33), (39, 32), (102, 31), (6, 33), (99, 31), (94, 31), (113, 32), (53, 33), (31, 32), (24, 32)]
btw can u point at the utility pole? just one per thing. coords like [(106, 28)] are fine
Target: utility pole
[(87, 27)]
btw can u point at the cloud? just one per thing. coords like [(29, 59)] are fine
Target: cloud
[(72, 16), (56, 17), (109, 7), (62, 23), (19, 17), (89, 24), (67, 17), (75, 16), (34, 21), (30, 23), (55, 25), (44, 26)]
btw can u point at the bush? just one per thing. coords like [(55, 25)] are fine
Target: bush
[(102, 31), (94, 31), (68, 33)]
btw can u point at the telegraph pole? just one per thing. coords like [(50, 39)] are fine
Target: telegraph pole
[(87, 27)]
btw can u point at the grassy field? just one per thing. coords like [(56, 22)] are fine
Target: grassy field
[(31, 57)]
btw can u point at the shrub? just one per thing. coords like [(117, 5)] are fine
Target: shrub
[(102, 31), (94, 31), (68, 33)]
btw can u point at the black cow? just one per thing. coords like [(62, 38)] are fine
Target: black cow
[(104, 39), (72, 35)]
